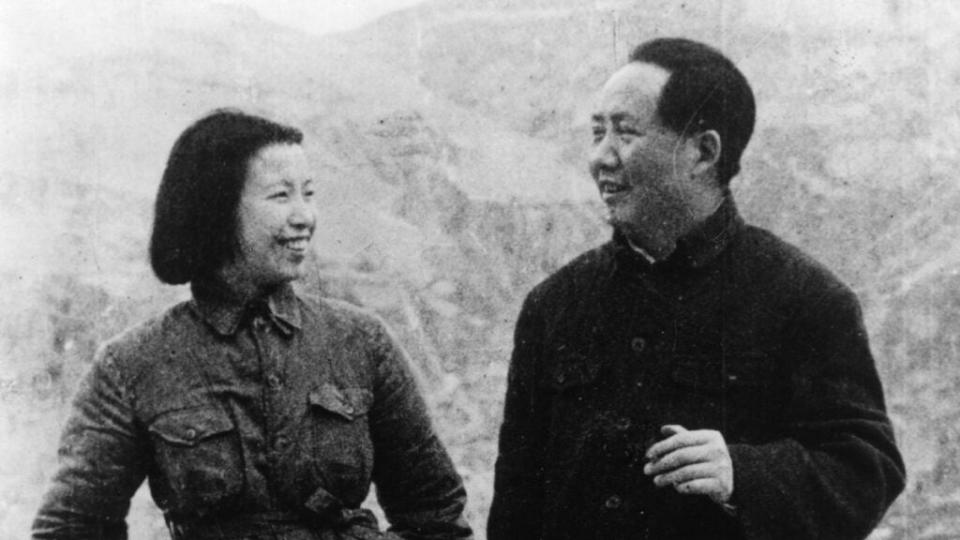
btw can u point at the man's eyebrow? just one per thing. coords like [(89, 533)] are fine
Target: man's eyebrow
[(616, 117)]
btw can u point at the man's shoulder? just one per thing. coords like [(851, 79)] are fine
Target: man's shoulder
[(767, 256), (587, 267)]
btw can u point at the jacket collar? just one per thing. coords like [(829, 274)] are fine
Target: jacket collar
[(224, 312), (696, 249)]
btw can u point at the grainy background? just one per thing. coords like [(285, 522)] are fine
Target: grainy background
[(450, 141)]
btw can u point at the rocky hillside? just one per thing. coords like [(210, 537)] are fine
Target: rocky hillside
[(450, 140)]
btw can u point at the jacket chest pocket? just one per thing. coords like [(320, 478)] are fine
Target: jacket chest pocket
[(570, 373), (198, 457), (569, 386), (342, 451), (736, 393)]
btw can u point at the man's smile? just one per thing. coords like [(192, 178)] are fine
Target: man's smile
[(295, 243), (611, 190)]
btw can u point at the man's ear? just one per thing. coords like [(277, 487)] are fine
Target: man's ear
[(708, 147)]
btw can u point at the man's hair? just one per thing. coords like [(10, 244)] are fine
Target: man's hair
[(195, 215), (705, 90)]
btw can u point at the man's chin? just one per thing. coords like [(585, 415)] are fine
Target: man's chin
[(620, 224), (628, 230), (621, 229)]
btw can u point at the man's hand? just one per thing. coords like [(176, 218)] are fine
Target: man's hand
[(693, 462)]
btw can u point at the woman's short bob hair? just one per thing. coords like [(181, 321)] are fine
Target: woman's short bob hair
[(195, 216)]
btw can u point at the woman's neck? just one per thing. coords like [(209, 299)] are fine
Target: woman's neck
[(241, 287)]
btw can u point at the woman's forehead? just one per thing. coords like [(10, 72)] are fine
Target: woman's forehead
[(277, 162)]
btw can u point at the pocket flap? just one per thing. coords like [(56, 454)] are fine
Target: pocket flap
[(349, 403), (571, 369), (323, 503), (189, 426)]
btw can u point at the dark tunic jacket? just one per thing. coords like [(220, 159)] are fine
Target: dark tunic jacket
[(736, 331), (261, 421)]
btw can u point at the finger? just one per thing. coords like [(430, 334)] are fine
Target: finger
[(681, 457), (701, 486), (688, 473), (670, 430), (709, 487), (670, 444), (680, 440)]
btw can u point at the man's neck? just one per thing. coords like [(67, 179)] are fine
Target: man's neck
[(661, 242), (643, 253)]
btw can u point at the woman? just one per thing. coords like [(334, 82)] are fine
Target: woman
[(254, 412)]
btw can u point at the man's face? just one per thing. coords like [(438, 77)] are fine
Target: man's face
[(642, 169)]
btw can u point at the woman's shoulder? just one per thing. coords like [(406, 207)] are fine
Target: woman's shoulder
[(143, 340), (340, 313), (340, 325)]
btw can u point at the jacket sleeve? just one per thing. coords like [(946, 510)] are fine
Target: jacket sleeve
[(101, 463), (417, 485), (835, 468), (517, 491)]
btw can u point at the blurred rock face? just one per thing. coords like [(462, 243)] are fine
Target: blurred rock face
[(449, 144)]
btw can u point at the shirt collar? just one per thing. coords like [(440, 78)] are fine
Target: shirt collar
[(695, 249), (223, 311), (642, 252)]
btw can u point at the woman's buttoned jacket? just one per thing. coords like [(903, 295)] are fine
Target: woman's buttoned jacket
[(266, 420)]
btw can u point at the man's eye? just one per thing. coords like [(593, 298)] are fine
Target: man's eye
[(598, 134), (279, 195)]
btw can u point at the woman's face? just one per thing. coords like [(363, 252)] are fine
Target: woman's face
[(276, 217)]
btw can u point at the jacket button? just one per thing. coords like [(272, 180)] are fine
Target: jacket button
[(561, 378), (280, 444), (613, 502), (623, 424), (273, 381), (638, 344), (191, 434)]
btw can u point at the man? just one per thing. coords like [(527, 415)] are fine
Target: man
[(695, 377)]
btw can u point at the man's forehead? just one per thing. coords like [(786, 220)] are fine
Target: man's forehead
[(639, 76), (633, 85)]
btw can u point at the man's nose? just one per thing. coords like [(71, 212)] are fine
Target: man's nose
[(604, 154)]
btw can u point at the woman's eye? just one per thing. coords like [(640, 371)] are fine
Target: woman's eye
[(279, 195)]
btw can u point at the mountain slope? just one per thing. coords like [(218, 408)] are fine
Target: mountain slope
[(450, 143)]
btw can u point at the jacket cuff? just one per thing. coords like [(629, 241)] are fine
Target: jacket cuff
[(751, 490)]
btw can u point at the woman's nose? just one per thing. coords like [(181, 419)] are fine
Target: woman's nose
[(302, 213)]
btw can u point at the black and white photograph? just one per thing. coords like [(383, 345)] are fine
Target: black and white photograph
[(480, 269)]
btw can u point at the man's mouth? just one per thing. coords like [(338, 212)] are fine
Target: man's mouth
[(609, 188), (296, 243)]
